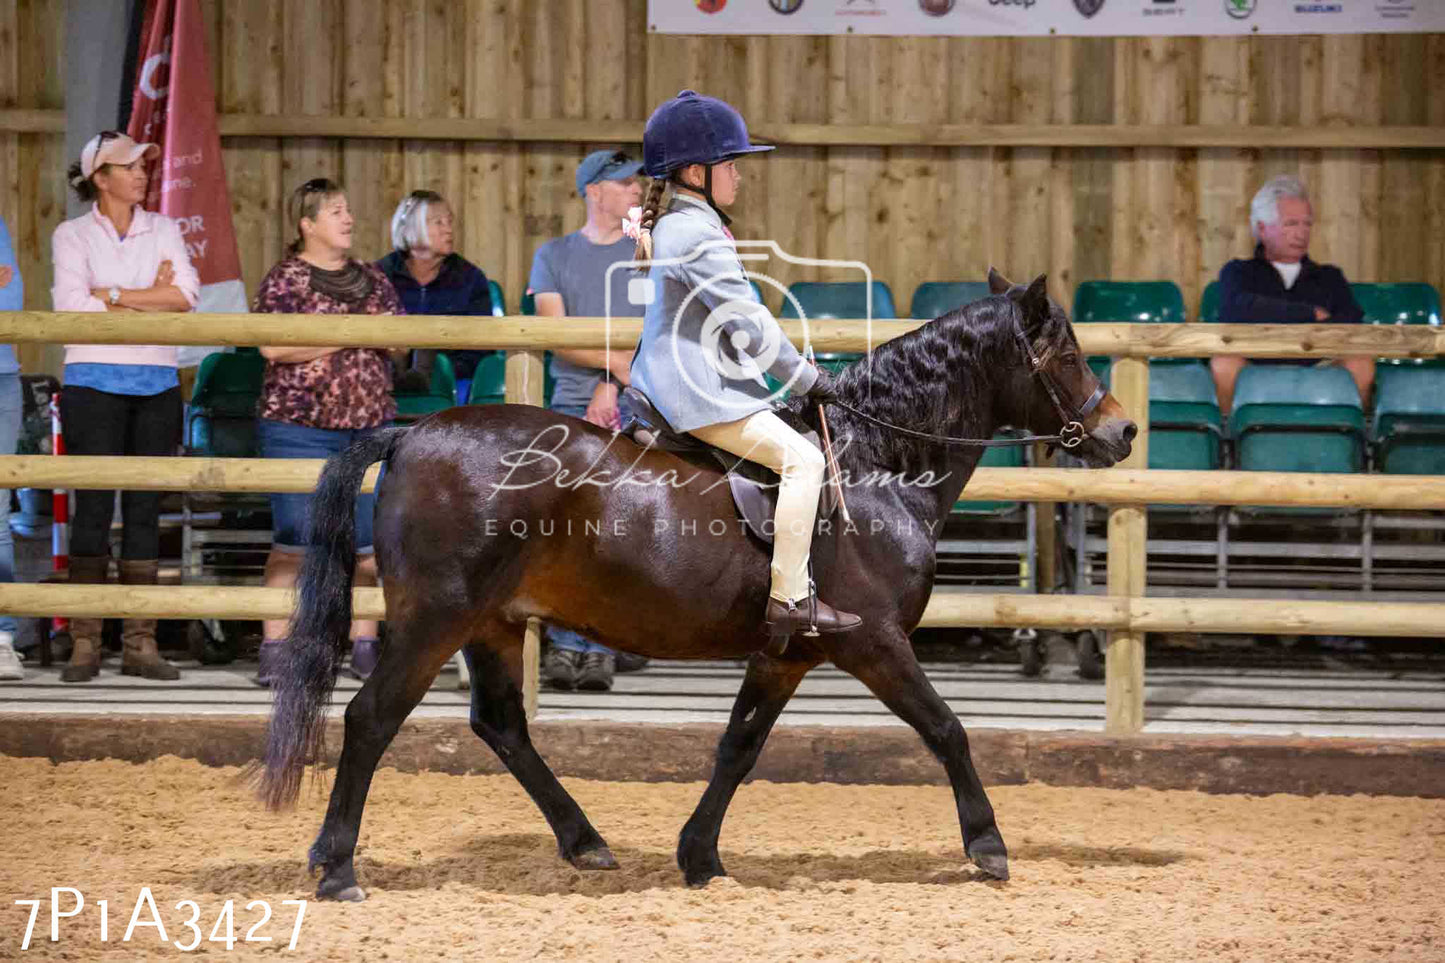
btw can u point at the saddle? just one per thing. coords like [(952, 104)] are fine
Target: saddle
[(754, 487)]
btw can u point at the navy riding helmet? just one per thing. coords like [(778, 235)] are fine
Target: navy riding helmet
[(694, 129)]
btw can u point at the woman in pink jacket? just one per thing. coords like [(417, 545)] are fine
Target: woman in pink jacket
[(119, 399)]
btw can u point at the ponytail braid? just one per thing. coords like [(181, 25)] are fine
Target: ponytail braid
[(651, 212)]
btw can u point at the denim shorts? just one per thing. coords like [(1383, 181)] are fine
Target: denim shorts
[(289, 510)]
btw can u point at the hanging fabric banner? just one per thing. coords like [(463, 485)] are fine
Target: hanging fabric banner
[(174, 105), (1021, 18)]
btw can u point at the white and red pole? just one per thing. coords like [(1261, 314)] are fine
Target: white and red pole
[(60, 511)]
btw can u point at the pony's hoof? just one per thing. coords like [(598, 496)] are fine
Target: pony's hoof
[(600, 858), (351, 894), (993, 864)]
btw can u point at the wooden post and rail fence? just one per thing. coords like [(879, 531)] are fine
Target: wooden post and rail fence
[(1125, 612)]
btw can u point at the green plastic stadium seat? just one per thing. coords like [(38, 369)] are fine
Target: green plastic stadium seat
[(1143, 302), (1209, 303), (221, 416), (934, 299), (1403, 303), (489, 381), (837, 299), (440, 395), (1184, 423), (1410, 420), (1291, 418), (499, 300), (1010, 457)]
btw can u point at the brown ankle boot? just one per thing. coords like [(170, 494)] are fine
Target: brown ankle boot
[(84, 662), (138, 636), (809, 615)]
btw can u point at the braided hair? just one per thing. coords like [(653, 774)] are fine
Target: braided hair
[(651, 212)]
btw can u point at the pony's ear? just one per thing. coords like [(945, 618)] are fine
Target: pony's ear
[(1035, 302), (997, 283)]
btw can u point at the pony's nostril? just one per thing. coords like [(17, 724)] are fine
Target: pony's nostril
[(1130, 430)]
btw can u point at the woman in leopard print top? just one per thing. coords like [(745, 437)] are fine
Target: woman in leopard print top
[(318, 401)]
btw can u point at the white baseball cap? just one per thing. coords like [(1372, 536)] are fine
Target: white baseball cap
[(112, 147)]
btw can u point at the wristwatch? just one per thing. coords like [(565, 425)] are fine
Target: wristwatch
[(114, 295)]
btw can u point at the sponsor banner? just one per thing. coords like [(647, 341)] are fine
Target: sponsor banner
[(1013, 18), (174, 105)]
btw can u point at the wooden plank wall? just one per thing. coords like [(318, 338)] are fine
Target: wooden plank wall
[(912, 213)]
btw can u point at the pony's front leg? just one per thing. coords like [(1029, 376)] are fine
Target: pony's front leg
[(887, 666), (769, 685)]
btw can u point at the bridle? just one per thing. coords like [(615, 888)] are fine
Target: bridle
[(1069, 437)]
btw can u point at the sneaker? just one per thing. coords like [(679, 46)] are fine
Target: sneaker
[(560, 668), (598, 665), (10, 669), (627, 662)]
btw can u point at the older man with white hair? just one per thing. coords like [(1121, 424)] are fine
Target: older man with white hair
[(1281, 285)]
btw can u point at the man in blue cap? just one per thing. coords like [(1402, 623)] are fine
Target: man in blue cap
[(570, 278)]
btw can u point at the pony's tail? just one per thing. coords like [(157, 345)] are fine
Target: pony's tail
[(313, 651)]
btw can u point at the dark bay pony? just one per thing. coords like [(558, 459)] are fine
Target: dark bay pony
[(479, 529)]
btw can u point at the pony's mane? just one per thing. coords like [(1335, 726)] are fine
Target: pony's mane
[(929, 379)]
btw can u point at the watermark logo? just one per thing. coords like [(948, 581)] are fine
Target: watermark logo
[(720, 344)]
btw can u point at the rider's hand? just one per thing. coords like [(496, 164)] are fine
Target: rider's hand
[(602, 411), (825, 389)]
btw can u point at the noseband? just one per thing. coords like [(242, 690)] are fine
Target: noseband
[(1070, 436)]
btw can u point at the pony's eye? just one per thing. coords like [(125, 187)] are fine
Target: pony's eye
[(1070, 361)]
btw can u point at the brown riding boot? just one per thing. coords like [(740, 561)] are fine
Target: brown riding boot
[(138, 636), (809, 616), (84, 662)]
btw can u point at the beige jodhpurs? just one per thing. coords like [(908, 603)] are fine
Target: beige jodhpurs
[(764, 438)]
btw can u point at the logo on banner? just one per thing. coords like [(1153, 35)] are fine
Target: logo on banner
[(1240, 9), (1012, 3), (711, 6), (1163, 8), (785, 6), (1395, 9), (935, 8), (1319, 8), (861, 8), (1088, 7)]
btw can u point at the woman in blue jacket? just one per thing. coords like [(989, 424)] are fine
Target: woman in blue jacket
[(432, 278)]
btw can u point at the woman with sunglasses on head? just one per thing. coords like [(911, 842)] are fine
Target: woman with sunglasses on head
[(430, 277), (119, 399), (318, 401)]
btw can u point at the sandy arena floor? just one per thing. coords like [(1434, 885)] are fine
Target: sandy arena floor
[(464, 868)]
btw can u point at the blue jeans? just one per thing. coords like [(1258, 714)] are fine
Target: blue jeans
[(289, 510), (11, 405), (558, 637)]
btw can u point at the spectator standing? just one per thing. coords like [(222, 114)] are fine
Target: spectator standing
[(318, 401), (570, 277), (12, 298), (119, 399)]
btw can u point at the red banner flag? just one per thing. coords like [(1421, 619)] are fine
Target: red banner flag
[(175, 106)]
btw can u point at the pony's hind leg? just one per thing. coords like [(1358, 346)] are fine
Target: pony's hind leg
[(769, 684), (889, 669), (409, 663), (500, 719)]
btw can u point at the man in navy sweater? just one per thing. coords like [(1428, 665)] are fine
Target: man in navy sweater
[(1281, 285)]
